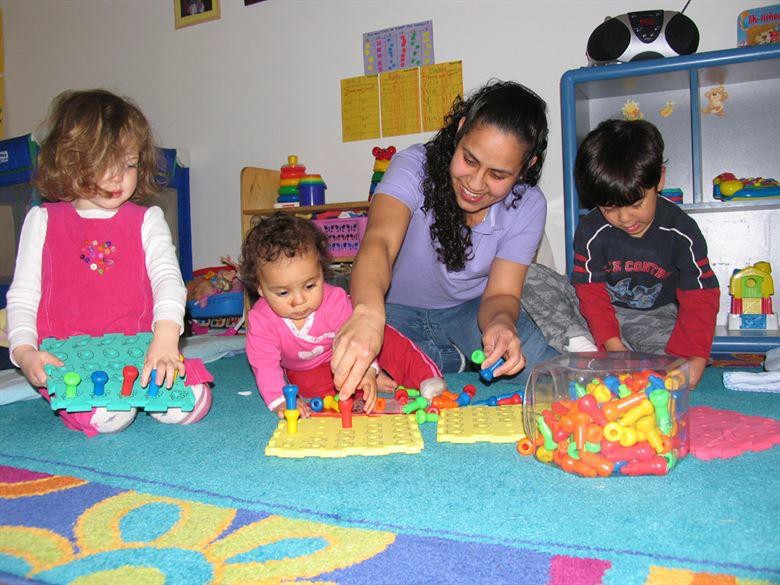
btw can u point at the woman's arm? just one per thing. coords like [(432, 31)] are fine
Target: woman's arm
[(359, 340), (498, 314)]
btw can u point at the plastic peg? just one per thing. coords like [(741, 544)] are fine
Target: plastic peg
[(99, 379), (72, 380)]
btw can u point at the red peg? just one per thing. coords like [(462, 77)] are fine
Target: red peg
[(589, 405), (345, 407), (129, 375), (470, 389)]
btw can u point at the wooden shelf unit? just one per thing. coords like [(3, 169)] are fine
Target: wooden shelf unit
[(258, 194)]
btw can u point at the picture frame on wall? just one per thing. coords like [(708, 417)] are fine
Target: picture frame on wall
[(189, 12)]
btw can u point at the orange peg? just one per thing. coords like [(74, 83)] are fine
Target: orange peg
[(614, 408), (601, 464), (525, 447)]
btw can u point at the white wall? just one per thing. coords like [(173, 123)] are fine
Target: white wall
[(263, 81)]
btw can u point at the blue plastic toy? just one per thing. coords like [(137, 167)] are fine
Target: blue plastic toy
[(96, 370)]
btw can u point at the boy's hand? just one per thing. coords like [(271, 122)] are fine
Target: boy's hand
[(31, 362), (163, 355), (697, 365), (615, 344), (368, 386), (302, 406)]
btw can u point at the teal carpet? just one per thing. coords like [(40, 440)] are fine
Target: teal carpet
[(202, 504)]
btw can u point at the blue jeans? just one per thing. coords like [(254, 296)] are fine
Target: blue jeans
[(448, 336)]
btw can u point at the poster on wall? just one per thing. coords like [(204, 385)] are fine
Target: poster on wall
[(400, 47), (399, 102), (189, 12)]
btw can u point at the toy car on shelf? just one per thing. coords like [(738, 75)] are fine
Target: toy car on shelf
[(727, 187)]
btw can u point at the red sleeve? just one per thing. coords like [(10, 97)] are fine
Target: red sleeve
[(598, 311), (695, 327)]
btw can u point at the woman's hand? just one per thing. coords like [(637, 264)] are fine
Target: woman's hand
[(499, 339), (355, 347), (31, 361), (163, 355)]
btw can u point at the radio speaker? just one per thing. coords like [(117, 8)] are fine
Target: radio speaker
[(636, 36)]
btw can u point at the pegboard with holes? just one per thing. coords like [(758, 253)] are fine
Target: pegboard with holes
[(84, 355), (325, 437), (481, 424)]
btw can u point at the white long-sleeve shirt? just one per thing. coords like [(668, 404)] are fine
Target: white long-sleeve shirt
[(24, 295)]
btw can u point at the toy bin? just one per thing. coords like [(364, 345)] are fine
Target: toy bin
[(344, 234), (229, 304), (603, 414)]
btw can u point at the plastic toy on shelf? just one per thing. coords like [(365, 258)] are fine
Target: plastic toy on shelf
[(751, 298), (289, 177), (382, 161), (727, 187)]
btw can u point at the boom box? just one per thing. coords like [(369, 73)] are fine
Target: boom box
[(636, 36)]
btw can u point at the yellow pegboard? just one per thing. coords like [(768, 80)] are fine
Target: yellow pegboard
[(369, 435), (480, 424)]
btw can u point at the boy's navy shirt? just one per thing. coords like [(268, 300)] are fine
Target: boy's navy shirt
[(645, 272)]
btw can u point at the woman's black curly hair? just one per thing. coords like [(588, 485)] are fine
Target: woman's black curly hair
[(281, 235), (506, 105)]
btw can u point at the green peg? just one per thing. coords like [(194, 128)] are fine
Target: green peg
[(549, 443), (660, 401), (72, 380), (423, 417), (417, 404)]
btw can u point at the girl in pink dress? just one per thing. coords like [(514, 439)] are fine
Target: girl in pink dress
[(93, 262)]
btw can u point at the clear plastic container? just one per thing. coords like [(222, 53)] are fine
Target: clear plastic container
[(604, 414)]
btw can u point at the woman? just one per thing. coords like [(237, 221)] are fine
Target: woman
[(452, 229)]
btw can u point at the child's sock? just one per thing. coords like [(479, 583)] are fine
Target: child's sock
[(175, 416), (432, 387), (580, 344), (112, 421)]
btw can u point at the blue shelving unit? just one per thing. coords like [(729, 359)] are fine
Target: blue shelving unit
[(698, 146)]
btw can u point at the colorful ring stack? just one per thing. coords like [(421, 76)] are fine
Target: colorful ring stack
[(289, 178)]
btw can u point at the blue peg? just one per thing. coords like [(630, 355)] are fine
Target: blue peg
[(99, 379), (290, 392)]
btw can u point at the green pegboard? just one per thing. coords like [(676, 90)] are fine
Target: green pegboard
[(110, 353)]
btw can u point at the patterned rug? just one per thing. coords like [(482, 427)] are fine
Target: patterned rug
[(122, 510)]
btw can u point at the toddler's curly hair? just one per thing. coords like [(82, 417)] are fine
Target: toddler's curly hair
[(89, 133), (282, 235)]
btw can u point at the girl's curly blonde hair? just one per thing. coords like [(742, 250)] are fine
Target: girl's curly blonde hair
[(89, 133)]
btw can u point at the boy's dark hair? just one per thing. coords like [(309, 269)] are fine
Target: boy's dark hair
[(89, 133), (281, 235), (617, 162), (510, 107)]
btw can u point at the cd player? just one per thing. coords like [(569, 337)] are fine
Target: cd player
[(635, 36)]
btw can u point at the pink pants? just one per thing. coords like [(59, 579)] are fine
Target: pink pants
[(400, 358)]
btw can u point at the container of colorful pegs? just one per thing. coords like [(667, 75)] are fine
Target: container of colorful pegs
[(609, 414)]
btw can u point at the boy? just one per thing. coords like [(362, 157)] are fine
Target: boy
[(641, 271)]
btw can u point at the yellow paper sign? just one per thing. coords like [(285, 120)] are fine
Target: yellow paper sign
[(400, 102), (360, 108), (441, 83)]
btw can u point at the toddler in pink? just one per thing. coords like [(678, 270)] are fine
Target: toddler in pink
[(292, 326)]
